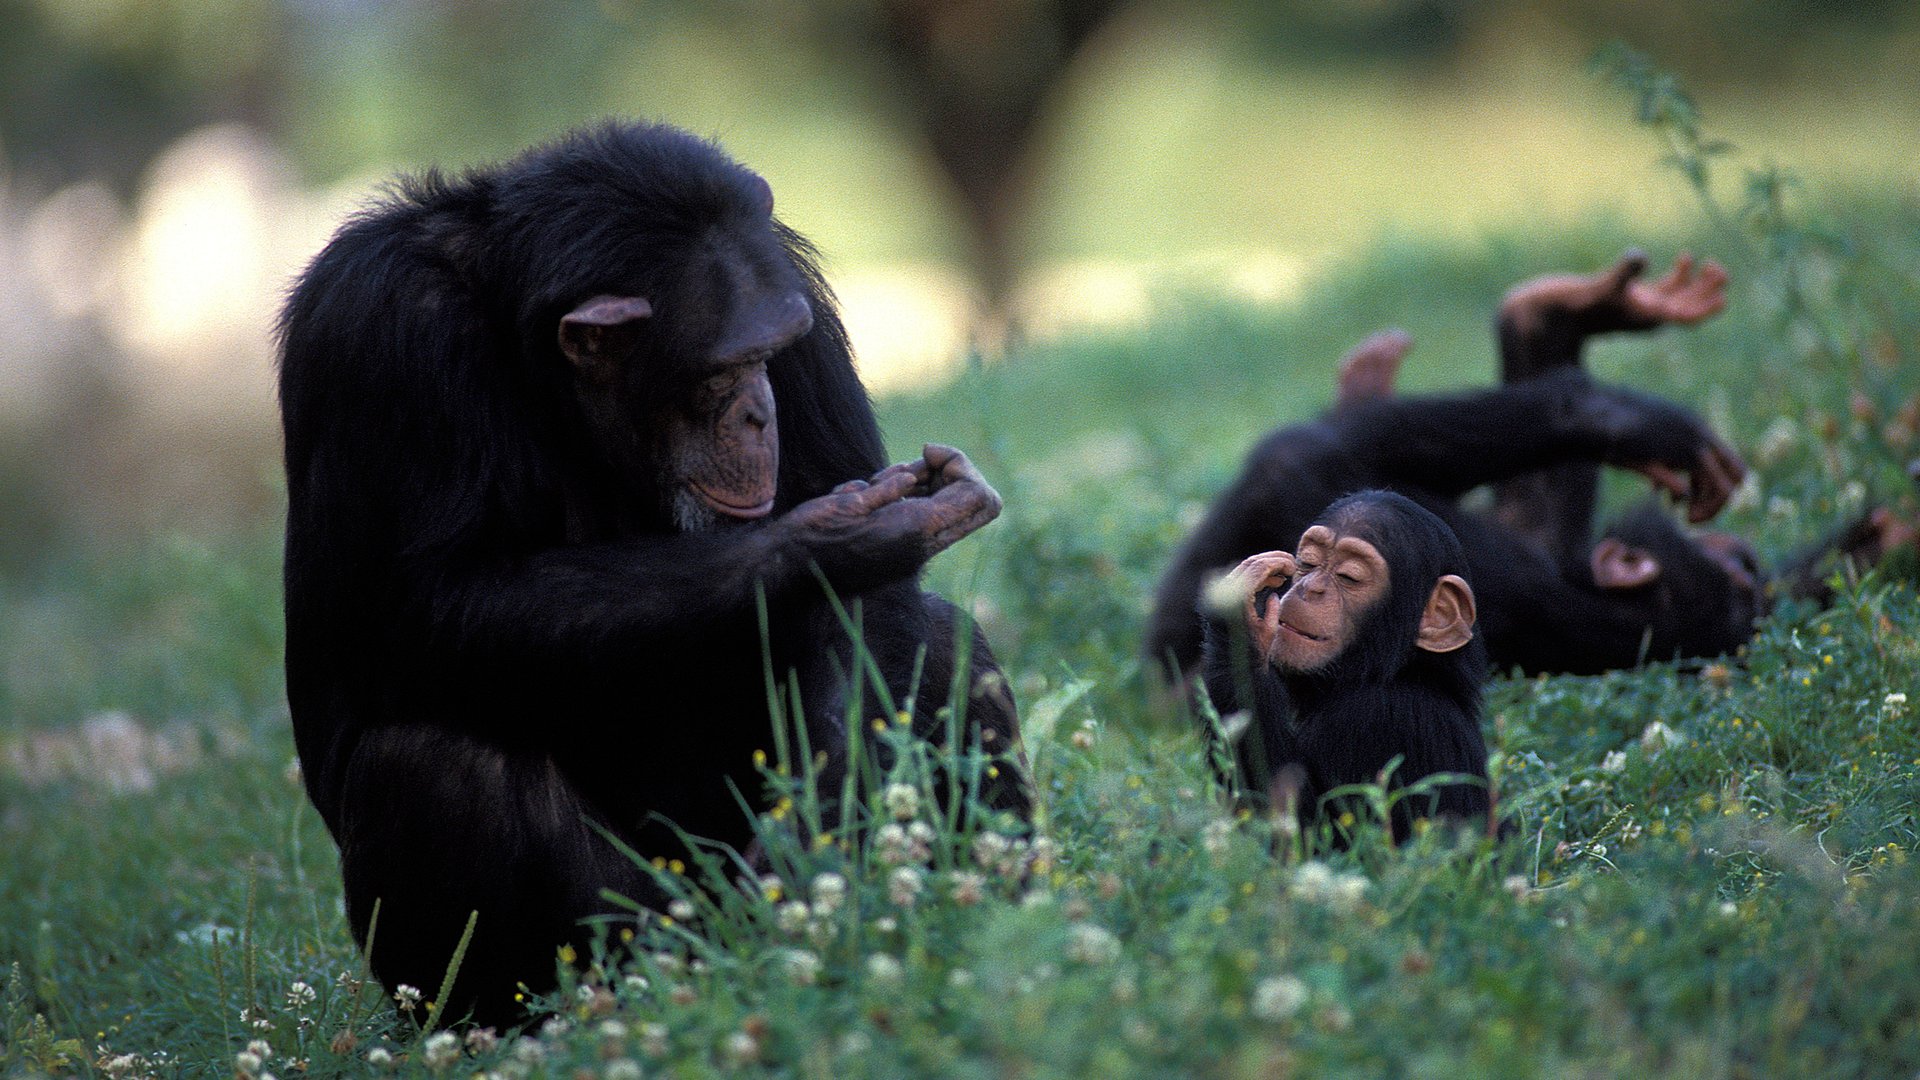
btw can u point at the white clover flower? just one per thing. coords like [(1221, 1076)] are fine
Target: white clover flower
[(380, 1057), (1852, 497), (669, 963), (555, 1028), (407, 996), (1334, 1018), (1279, 997), (792, 916), (1315, 882), (246, 1063), (1615, 761), (886, 924), (905, 884), (966, 888), (529, 1050), (922, 836), (441, 1049), (1894, 704), (260, 1047), (1312, 880), (680, 909), (621, 1069), (1777, 441), (653, 1040), (884, 969), (890, 844), (989, 848), (1348, 891), (1518, 885), (902, 800), (613, 1030), (1223, 596), (1656, 737), (828, 890), (1214, 839), (742, 1048), (960, 978), (801, 966), (635, 984), (1091, 943), (1631, 831), (300, 995), (482, 1040), (1046, 853)]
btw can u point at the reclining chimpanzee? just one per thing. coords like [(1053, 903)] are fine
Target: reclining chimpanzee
[(1550, 597)]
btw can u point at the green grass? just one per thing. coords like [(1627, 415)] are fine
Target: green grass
[(1732, 899)]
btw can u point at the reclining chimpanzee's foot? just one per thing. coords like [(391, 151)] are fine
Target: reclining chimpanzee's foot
[(1369, 371)]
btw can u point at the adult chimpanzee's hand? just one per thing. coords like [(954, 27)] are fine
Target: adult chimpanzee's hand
[(903, 516)]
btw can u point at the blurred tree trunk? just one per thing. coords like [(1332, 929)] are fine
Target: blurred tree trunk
[(974, 77)]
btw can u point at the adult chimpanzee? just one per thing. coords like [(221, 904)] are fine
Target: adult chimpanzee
[(1356, 649), (1551, 599), (554, 430)]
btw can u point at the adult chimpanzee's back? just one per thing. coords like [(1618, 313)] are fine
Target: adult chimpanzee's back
[(551, 430)]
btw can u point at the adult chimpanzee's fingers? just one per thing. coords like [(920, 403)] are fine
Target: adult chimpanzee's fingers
[(947, 465), (888, 486), (849, 486), (915, 469)]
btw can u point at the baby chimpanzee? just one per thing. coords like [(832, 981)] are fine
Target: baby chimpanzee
[(1357, 649)]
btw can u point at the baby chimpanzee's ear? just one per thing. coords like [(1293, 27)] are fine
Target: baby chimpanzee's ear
[(1619, 565), (1447, 622)]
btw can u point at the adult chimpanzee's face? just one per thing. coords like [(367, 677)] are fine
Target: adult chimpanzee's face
[(1336, 582), (675, 383)]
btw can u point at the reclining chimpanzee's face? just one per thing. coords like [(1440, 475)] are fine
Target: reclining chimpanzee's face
[(1701, 593)]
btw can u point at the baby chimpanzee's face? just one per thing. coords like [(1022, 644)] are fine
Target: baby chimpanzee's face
[(1337, 580)]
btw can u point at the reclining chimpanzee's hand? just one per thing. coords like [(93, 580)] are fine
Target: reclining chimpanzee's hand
[(1708, 483)]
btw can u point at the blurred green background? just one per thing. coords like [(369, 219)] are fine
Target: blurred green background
[(980, 174)]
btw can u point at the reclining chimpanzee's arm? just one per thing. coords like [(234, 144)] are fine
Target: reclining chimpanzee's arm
[(1449, 444)]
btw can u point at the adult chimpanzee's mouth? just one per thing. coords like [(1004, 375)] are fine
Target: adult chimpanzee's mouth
[(1297, 632), (733, 509)]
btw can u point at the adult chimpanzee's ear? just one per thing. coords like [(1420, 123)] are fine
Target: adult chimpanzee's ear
[(1619, 565), (598, 333), (1447, 623)]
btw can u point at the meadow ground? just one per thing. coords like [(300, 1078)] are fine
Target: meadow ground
[(1710, 876)]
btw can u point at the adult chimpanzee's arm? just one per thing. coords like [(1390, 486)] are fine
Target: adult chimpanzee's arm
[(1450, 444), (637, 591)]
